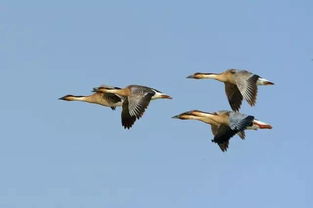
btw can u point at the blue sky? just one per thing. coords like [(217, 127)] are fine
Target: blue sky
[(61, 154)]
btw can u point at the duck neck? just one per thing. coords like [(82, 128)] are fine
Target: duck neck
[(210, 118), (88, 99), (202, 116), (202, 119), (215, 76), (194, 118)]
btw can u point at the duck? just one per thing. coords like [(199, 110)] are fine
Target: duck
[(225, 124), (136, 100), (239, 84), (101, 98)]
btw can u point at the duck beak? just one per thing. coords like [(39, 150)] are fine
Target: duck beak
[(199, 75), (184, 115), (190, 76), (166, 96), (177, 116), (262, 125), (64, 97)]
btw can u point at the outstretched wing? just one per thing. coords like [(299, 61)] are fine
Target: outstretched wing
[(138, 104), (134, 107), (246, 83)]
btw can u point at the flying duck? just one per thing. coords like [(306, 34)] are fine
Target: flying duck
[(225, 124), (136, 100), (239, 84)]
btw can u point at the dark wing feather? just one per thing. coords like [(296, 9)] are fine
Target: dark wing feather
[(223, 135), (137, 105), (234, 96), (240, 122), (96, 89), (224, 146), (127, 120), (134, 107)]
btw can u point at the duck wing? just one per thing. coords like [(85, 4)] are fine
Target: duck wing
[(112, 98), (134, 107), (239, 122), (247, 85), (234, 96), (222, 136)]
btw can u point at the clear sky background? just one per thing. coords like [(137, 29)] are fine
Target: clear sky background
[(76, 155)]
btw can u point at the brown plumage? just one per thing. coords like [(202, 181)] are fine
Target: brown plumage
[(239, 84), (225, 124), (101, 98)]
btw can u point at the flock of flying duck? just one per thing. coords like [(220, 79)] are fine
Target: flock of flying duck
[(239, 85)]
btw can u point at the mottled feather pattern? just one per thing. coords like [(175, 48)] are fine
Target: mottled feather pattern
[(138, 104), (247, 86), (239, 121), (244, 123)]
